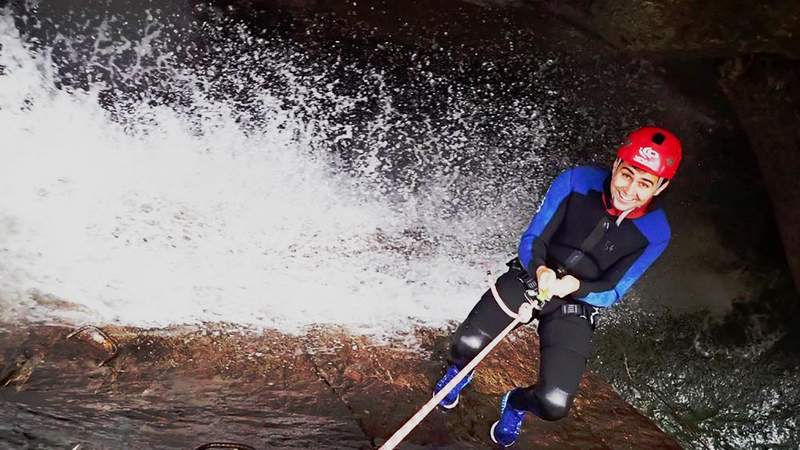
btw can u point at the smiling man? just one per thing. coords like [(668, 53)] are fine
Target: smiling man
[(596, 232)]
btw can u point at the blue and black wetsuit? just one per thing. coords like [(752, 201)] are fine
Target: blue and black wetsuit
[(573, 233)]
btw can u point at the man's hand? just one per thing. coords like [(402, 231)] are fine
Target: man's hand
[(546, 280), (565, 285), (550, 285)]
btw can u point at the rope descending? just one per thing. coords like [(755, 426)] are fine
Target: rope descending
[(524, 315)]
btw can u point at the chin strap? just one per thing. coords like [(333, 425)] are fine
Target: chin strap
[(623, 215), (663, 183)]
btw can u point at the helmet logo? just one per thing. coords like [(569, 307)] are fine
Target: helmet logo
[(648, 152), (648, 158)]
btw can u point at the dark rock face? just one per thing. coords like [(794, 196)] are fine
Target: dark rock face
[(688, 26), (326, 389), (765, 91)]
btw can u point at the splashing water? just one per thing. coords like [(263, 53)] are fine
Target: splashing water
[(261, 193)]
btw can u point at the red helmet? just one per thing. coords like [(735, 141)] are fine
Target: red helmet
[(654, 150)]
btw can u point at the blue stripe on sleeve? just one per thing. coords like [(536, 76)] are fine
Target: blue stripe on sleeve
[(558, 191), (654, 226)]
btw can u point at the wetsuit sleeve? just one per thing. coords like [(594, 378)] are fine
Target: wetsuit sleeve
[(532, 249), (616, 281)]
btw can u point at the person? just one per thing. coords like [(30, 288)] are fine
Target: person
[(596, 232)]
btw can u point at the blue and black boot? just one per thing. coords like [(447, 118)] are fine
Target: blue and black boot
[(505, 431), (451, 400)]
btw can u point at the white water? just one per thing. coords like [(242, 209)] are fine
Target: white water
[(169, 224)]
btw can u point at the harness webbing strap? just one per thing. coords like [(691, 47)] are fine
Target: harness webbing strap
[(591, 240)]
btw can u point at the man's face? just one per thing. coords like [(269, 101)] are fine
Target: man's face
[(632, 187)]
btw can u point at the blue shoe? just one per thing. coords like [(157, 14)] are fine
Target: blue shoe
[(451, 400), (506, 430)]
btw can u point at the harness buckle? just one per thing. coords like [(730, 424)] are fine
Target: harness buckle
[(584, 311)]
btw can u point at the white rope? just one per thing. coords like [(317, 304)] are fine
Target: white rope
[(500, 301), (524, 315)]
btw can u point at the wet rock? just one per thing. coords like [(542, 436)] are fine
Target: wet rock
[(225, 445), (184, 388), (687, 26), (55, 302), (19, 371), (97, 340)]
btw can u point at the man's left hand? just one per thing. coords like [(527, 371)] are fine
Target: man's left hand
[(565, 285)]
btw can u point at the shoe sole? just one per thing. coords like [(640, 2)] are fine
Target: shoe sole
[(449, 406), (491, 436), (503, 404), (453, 405)]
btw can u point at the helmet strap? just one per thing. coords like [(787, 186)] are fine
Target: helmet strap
[(623, 215), (662, 184)]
